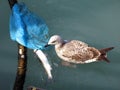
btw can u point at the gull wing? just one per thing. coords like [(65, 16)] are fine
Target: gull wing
[(79, 51)]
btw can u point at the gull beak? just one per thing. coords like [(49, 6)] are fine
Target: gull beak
[(47, 45)]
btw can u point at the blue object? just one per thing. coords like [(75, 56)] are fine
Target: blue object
[(28, 29)]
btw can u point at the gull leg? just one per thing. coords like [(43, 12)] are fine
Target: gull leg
[(68, 64), (44, 61)]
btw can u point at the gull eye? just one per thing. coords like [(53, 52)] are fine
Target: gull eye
[(53, 41)]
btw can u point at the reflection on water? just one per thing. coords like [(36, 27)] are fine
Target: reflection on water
[(93, 21)]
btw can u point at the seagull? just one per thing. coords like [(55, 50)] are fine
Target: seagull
[(77, 52)]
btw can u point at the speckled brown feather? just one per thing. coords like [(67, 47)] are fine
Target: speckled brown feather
[(75, 51), (79, 51)]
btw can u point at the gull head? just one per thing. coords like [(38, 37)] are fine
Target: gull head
[(54, 40)]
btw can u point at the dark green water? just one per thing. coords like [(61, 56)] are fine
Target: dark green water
[(96, 22)]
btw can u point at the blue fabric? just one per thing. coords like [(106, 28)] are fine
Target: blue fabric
[(28, 29)]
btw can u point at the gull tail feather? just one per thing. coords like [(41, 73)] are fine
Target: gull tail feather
[(103, 55)]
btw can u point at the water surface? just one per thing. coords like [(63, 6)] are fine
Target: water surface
[(96, 22)]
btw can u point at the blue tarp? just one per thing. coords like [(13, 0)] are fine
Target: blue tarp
[(27, 28)]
